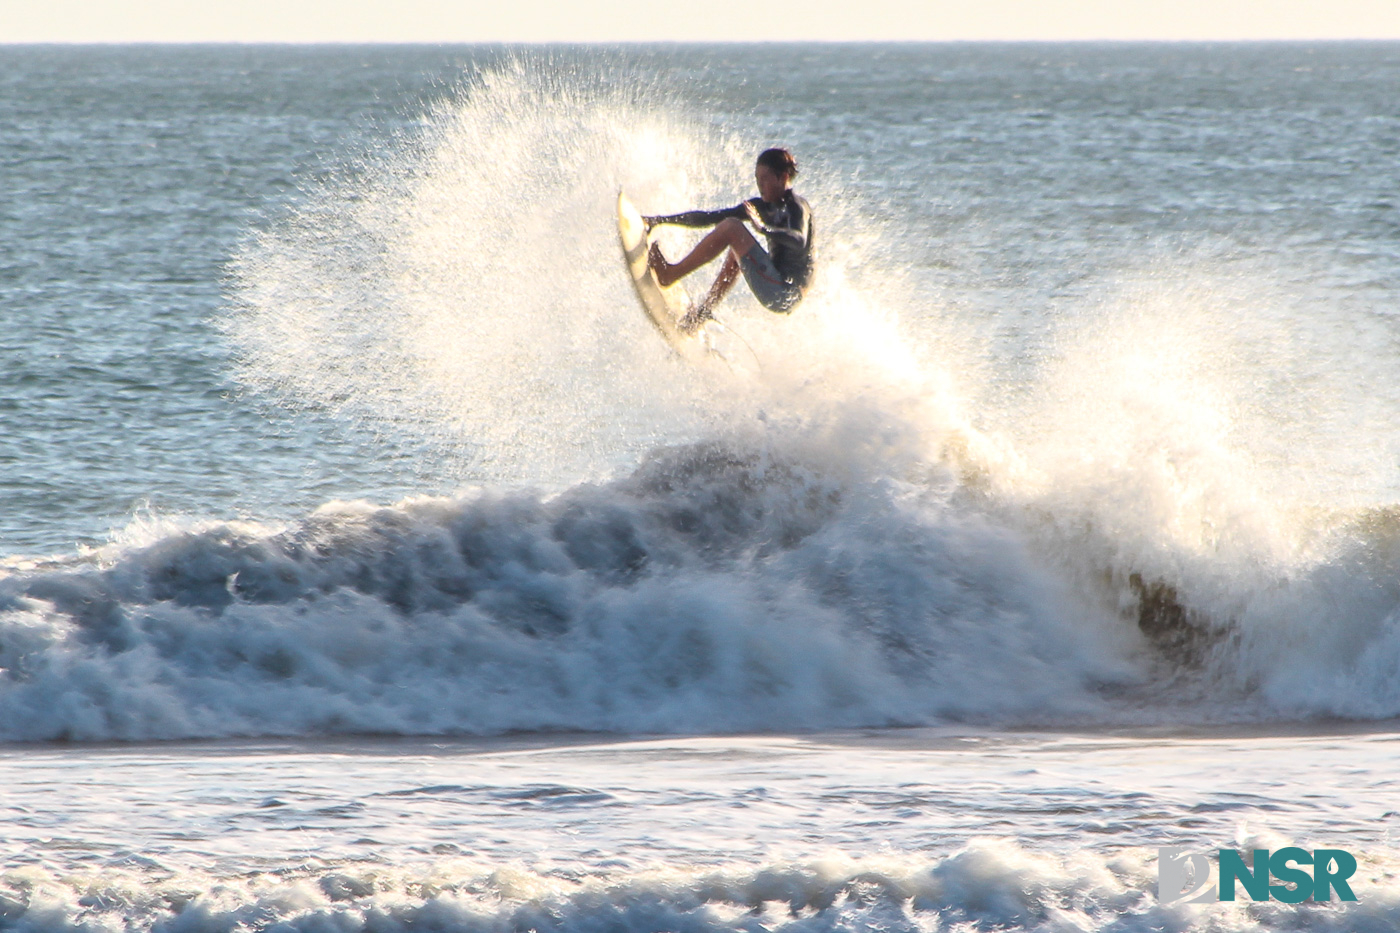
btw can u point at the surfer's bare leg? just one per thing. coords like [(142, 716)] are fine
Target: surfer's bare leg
[(728, 275), (730, 234)]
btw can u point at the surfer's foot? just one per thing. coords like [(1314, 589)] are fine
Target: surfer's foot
[(693, 318), (659, 265)]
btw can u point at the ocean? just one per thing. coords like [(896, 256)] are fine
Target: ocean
[(368, 564)]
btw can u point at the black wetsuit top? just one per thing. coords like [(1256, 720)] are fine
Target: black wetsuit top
[(787, 226)]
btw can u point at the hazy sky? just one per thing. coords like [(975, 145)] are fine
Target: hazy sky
[(625, 20)]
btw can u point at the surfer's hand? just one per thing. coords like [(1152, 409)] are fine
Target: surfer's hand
[(752, 213)]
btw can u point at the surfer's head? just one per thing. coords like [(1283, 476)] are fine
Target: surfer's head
[(774, 172)]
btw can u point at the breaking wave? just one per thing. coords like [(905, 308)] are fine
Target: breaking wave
[(718, 587), (989, 885)]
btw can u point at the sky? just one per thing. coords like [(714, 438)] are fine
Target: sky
[(688, 20)]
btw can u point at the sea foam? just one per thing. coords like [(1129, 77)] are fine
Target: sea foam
[(716, 587), (990, 884)]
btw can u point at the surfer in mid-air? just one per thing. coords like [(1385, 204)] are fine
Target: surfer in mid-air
[(779, 275)]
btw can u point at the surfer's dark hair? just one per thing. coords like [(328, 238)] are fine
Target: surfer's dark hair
[(780, 161)]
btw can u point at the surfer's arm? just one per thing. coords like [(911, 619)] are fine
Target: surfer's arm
[(697, 218)]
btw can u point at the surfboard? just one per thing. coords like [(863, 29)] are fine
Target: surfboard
[(664, 307)]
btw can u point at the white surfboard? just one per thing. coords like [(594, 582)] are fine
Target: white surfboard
[(665, 306)]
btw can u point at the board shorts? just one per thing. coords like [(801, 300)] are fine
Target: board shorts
[(772, 290)]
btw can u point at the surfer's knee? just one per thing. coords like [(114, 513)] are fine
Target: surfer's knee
[(733, 230)]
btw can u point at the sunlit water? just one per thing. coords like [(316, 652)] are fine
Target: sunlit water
[(1057, 525)]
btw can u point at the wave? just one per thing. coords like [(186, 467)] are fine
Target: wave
[(733, 585), (988, 885), (716, 588)]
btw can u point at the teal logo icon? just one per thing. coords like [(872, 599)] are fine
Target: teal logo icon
[(1290, 875)]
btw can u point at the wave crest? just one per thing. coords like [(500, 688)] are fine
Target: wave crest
[(716, 588)]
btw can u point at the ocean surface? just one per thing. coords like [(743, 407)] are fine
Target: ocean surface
[(368, 564)]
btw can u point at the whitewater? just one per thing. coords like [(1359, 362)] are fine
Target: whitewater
[(371, 565)]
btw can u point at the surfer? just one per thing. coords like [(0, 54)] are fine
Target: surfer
[(779, 275)]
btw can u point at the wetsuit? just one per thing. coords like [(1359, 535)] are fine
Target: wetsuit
[(779, 276)]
